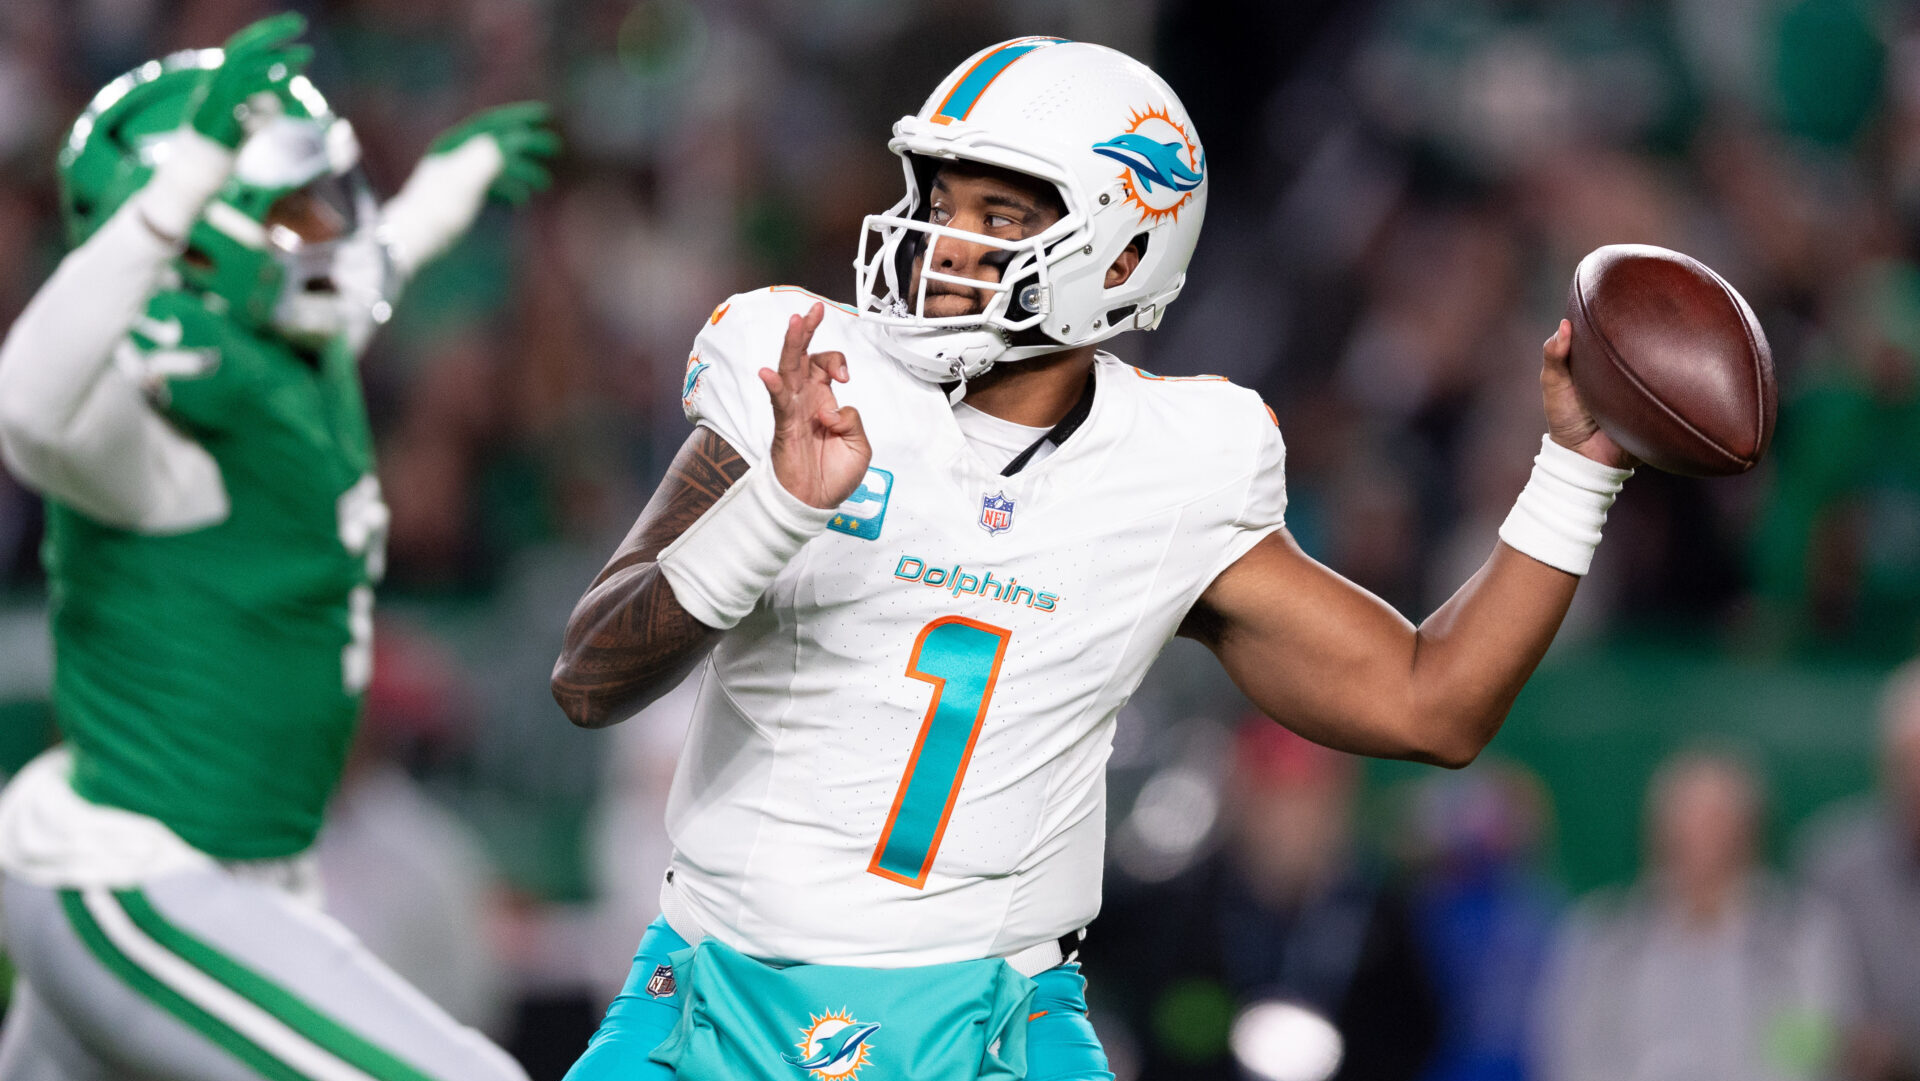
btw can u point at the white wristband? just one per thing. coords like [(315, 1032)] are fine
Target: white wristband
[(1558, 516), (189, 171), (725, 560)]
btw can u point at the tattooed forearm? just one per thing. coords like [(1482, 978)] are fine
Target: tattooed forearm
[(628, 640)]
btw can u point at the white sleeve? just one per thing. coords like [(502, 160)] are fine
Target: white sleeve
[(1264, 510), (73, 426), (722, 388), (438, 203)]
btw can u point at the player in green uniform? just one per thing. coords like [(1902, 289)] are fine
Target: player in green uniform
[(183, 392)]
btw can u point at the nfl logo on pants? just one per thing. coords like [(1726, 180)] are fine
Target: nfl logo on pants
[(996, 513)]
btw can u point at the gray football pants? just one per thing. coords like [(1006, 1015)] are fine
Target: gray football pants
[(203, 976)]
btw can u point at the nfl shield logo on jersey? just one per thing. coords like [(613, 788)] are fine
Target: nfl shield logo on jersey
[(996, 513), (661, 985)]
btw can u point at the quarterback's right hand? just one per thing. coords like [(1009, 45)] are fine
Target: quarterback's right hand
[(1569, 420), (820, 450), (258, 58)]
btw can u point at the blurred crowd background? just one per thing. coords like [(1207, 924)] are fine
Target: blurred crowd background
[(1695, 851)]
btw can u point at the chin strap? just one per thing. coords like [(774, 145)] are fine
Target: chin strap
[(956, 390)]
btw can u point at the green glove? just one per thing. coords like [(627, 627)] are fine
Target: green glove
[(258, 59), (524, 133)]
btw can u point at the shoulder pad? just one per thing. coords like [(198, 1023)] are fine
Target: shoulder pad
[(775, 302)]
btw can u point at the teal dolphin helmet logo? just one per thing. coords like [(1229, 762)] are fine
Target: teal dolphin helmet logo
[(1153, 162), (1164, 167)]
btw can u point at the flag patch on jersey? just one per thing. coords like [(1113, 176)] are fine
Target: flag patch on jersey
[(996, 513), (866, 509)]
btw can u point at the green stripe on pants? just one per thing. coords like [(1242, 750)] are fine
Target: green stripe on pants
[(212, 1028), (326, 1033)]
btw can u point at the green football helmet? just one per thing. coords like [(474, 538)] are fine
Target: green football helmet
[(233, 256)]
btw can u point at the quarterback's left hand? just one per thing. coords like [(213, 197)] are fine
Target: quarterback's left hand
[(503, 150)]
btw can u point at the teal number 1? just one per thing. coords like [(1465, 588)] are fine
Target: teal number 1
[(961, 658)]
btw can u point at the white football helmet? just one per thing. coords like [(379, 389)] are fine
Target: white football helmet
[(1103, 129)]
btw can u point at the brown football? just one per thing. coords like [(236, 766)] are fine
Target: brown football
[(1670, 360)]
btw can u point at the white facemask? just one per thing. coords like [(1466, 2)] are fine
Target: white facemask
[(336, 289)]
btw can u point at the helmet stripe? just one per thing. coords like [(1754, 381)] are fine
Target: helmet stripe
[(966, 92)]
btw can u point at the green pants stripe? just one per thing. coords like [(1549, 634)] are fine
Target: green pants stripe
[(277, 1001), (354, 1055), (212, 1028)]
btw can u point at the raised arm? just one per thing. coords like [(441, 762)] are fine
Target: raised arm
[(1342, 668), (72, 425), (1338, 665), (504, 151), (711, 540)]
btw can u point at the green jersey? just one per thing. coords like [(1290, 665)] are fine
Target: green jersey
[(211, 679)]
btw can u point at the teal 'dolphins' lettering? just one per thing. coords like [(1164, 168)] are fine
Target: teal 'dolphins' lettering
[(959, 581)]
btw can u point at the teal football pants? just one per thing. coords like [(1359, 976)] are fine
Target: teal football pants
[(1061, 1045)]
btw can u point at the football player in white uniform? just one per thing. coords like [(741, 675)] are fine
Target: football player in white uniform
[(924, 548)]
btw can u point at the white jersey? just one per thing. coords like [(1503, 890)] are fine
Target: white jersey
[(898, 758)]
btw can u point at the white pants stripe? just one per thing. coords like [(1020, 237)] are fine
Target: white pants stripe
[(269, 1032)]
